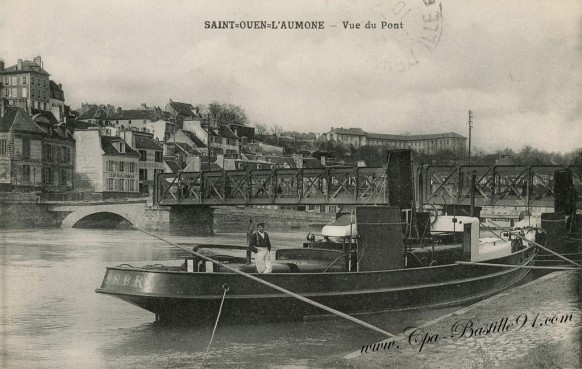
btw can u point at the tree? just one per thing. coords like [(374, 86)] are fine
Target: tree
[(260, 129), (277, 130), (227, 113)]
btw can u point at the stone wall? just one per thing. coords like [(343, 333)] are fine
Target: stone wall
[(196, 220), (23, 215)]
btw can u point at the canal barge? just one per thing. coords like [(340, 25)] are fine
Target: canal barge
[(375, 265)]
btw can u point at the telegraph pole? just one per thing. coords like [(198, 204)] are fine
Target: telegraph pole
[(470, 127)]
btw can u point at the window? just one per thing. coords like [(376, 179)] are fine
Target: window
[(48, 153), (24, 92), (63, 177), (159, 156), (31, 81), (48, 176), (14, 92), (3, 147), (122, 166), (45, 83), (143, 174), (142, 155), (6, 92), (23, 80), (111, 166), (110, 182), (132, 167), (67, 154), (26, 173), (120, 185), (131, 185), (6, 81), (26, 148), (14, 81)]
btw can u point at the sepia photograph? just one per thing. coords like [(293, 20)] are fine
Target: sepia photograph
[(290, 184)]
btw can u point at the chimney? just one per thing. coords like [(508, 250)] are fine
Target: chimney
[(38, 61), (1, 65), (19, 64), (60, 86)]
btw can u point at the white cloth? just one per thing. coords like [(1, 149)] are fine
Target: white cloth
[(263, 260)]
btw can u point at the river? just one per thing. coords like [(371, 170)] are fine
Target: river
[(51, 317)]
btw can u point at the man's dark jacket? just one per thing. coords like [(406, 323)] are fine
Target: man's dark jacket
[(258, 241)]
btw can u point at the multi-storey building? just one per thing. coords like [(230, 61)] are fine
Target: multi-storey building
[(106, 164), (150, 157), (35, 154), (27, 85), (182, 111), (427, 143), (58, 154), (220, 140), (143, 120), (57, 100)]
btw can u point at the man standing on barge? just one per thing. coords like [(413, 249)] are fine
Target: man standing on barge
[(260, 244)]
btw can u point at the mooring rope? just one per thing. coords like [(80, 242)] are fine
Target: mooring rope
[(225, 288), (274, 286)]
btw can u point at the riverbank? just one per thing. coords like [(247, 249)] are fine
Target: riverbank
[(536, 325)]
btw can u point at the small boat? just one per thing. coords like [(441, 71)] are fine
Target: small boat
[(366, 262)]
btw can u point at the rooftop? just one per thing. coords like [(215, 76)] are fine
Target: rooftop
[(18, 120)]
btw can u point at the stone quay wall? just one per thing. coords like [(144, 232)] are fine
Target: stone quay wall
[(29, 214)]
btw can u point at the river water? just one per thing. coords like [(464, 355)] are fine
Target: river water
[(51, 317)]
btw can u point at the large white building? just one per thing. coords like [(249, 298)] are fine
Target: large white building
[(105, 164), (427, 143)]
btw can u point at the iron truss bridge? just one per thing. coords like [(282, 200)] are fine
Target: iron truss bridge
[(501, 185), (327, 186)]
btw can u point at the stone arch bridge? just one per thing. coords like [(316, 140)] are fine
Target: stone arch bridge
[(76, 211)]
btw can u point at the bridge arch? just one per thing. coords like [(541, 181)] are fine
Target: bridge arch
[(102, 219), (133, 213)]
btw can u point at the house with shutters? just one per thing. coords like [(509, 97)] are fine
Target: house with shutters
[(106, 165), (36, 153)]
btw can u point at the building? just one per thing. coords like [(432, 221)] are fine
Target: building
[(150, 157), (57, 100), (27, 85), (97, 115), (152, 120), (427, 143), (35, 154), (220, 140), (106, 164), (182, 111), (58, 154)]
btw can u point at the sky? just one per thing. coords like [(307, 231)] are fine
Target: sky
[(517, 65)]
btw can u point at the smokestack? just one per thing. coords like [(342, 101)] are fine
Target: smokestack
[(38, 61), (19, 64)]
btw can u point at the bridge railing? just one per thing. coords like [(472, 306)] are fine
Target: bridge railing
[(512, 185), (303, 186)]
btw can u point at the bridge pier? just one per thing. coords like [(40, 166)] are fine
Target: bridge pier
[(198, 220)]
